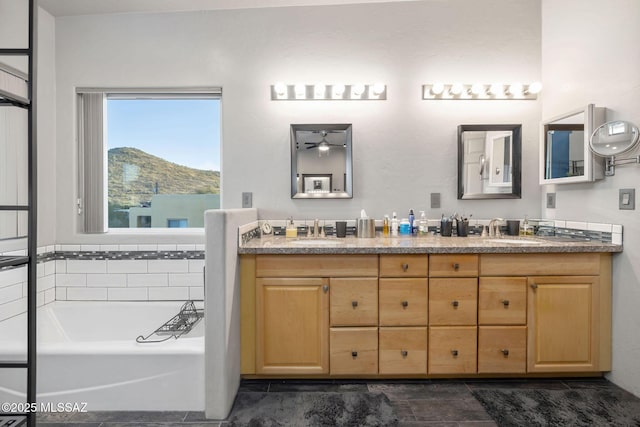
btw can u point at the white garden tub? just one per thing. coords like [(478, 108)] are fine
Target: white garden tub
[(87, 352)]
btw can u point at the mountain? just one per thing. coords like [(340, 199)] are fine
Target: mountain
[(134, 176)]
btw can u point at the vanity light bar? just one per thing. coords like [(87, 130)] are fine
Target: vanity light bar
[(328, 92), (481, 91)]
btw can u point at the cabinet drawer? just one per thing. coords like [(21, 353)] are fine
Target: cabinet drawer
[(354, 302), (403, 302), (316, 266), (453, 301), (403, 350), (452, 350), (353, 351), (502, 349), (404, 265), (502, 301), (453, 265)]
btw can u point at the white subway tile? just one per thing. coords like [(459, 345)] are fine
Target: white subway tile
[(107, 280), (156, 294), (196, 265), (109, 248), (186, 247), (46, 282), (166, 247), (70, 248), (595, 226), (89, 248), (617, 228), (168, 266), (50, 248), (157, 279), (40, 270), (200, 247), (13, 308), (127, 266), (20, 252), (13, 276), (576, 225), (49, 268), (61, 294), (10, 293), (39, 299), (49, 296), (86, 266), (58, 248), (40, 250), (559, 224), (128, 248), (127, 294), (185, 279), (86, 294), (71, 280), (196, 293), (61, 266), (616, 238), (147, 247)]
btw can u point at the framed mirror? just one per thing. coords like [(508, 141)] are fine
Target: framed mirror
[(489, 161), (564, 149), (321, 162)]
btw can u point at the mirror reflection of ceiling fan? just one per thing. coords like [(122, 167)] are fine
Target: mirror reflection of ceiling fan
[(323, 144)]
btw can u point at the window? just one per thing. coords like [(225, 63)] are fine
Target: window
[(148, 160)]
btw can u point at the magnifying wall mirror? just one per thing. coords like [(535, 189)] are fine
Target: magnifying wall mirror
[(489, 161), (321, 163), (613, 139)]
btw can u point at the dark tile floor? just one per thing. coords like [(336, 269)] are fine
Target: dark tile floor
[(433, 403)]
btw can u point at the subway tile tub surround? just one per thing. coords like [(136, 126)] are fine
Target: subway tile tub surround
[(107, 273)]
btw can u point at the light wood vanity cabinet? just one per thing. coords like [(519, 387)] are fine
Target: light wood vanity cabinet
[(419, 315)]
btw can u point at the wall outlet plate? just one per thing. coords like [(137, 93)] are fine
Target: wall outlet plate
[(435, 200), (627, 199), (551, 200), (247, 200)]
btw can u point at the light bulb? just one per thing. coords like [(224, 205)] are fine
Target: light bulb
[(323, 146), (515, 89), (456, 89), (319, 90), (496, 89), (534, 88), (378, 88), (357, 89), (280, 88), (300, 90), (477, 88), (338, 90), (437, 88)]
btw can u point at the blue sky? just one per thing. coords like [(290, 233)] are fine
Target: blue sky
[(186, 132)]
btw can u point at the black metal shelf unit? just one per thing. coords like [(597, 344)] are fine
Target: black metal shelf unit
[(8, 99)]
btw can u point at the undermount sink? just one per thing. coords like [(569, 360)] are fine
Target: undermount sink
[(317, 242), (515, 241)]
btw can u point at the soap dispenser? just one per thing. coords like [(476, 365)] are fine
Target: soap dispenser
[(394, 225), (291, 230)]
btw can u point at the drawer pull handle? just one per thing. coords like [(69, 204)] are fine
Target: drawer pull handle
[(325, 288), (454, 353), (354, 354), (534, 286), (455, 304), (505, 302), (405, 304), (404, 353), (354, 304), (505, 351), (405, 267), (456, 266)]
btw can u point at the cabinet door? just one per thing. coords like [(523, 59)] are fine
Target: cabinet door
[(292, 326), (562, 316), (354, 301)]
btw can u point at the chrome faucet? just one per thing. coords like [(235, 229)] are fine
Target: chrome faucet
[(494, 227), (315, 228)]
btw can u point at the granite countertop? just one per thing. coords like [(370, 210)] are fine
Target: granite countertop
[(420, 245)]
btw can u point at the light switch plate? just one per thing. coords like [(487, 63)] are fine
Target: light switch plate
[(435, 200), (247, 200), (627, 199), (551, 200)]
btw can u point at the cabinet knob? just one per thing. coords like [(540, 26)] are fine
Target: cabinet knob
[(454, 353), (456, 266), (354, 304), (405, 267), (505, 351), (534, 286), (405, 304), (325, 288), (455, 304), (404, 353), (505, 302), (354, 354)]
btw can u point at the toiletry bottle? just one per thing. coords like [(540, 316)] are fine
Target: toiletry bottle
[(412, 218), (394, 225), (405, 227), (423, 225), (385, 225), (291, 230), (525, 228)]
